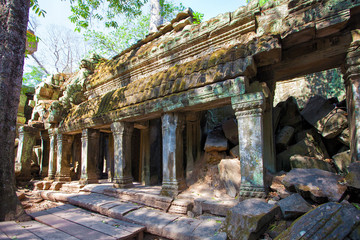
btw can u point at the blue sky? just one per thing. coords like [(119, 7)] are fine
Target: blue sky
[(58, 11)]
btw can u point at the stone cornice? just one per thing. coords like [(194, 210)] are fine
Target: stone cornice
[(202, 96)]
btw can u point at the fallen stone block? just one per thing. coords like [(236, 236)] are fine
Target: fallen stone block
[(332, 124), (306, 147), (283, 137), (344, 137), (230, 175), (277, 186), (234, 152), (231, 132), (316, 108), (342, 161), (319, 185), (327, 221), (249, 219), (293, 206), (298, 161), (216, 141), (291, 114), (181, 206)]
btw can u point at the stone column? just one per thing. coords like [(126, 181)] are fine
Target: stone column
[(173, 173), (145, 155), (45, 148), (89, 156), (249, 110), (352, 84), (52, 154), (111, 158), (27, 140), (63, 158), (122, 132), (193, 141)]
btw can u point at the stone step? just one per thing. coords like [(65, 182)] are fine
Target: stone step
[(157, 222), (83, 224), (31, 230)]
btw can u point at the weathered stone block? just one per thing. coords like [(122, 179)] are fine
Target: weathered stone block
[(235, 152), (327, 221), (249, 219), (316, 184), (293, 206), (320, 113), (306, 147), (298, 161), (284, 136), (344, 137), (342, 161), (56, 186), (291, 116), (230, 175), (332, 124), (230, 129), (316, 108), (216, 141), (39, 186)]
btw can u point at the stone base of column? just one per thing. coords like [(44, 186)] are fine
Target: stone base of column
[(172, 189), (63, 179), (51, 177), (123, 182), (88, 181), (251, 191)]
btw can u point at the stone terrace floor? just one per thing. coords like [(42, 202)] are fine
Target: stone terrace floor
[(99, 211)]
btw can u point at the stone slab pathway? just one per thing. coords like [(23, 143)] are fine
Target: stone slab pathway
[(70, 222)]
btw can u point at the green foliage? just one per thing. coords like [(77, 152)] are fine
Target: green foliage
[(198, 17), (327, 83), (34, 5), (108, 43), (32, 78), (103, 10)]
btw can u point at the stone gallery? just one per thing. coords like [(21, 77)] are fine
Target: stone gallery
[(137, 117)]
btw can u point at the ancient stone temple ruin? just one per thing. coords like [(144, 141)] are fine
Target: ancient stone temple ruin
[(137, 116)]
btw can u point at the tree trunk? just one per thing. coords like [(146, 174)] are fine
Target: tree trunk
[(155, 15), (14, 16)]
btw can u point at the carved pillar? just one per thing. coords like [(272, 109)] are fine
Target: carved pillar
[(27, 140), (193, 141), (45, 148), (249, 110), (122, 132), (63, 157), (145, 154), (173, 174), (52, 154), (89, 156), (352, 84)]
